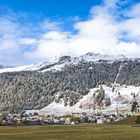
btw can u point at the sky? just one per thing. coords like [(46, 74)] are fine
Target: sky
[(42, 30)]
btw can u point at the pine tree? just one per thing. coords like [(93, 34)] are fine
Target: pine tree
[(134, 106)]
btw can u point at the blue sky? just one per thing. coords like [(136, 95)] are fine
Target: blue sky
[(41, 30), (51, 8), (54, 10)]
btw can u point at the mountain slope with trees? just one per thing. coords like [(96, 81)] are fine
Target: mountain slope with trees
[(35, 89)]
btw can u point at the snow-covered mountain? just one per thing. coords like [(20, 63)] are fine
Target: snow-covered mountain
[(70, 84), (59, 63)]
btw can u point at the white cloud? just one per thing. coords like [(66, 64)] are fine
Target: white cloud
[(104, 32), (50, 45), (135, 11), (98, 34), (49, 25), (27, 41), (12, 41)]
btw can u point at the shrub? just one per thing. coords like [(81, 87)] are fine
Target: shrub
[(75, 119), (138, 120)]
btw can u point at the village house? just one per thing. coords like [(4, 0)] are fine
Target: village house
[(137, 111)]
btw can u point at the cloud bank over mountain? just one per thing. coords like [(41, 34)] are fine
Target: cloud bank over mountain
[(112, 28)]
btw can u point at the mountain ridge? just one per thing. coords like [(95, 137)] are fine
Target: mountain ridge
[(65, 60)]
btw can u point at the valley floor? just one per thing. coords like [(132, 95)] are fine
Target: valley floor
[(75, 132)]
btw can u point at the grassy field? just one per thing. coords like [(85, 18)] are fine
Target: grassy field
[(78, 132), (126, 121)]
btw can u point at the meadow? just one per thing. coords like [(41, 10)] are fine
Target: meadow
[(72, 132)]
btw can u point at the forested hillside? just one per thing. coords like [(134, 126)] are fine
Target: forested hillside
[(35, 89)]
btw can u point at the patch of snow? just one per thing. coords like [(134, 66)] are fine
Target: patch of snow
[(59, 109), (31, 111), (55, 68), (120, 68)]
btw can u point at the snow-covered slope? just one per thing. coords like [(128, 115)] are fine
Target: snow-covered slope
[(59, 109), (120, 98), (33, 67)]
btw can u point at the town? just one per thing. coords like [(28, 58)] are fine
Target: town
[(74, 118)]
